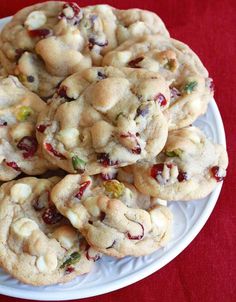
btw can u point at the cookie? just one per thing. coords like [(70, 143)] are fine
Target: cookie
[(104, 117), (107, 214), (38, 245), (191, 89), (19, 150), (76, 37), (189, 167)]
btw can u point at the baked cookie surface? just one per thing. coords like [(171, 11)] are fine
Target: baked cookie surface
[(19, 150), (38, 245), (104, 117), (191, 89), (107, 213), (189, 167), (77, 38)]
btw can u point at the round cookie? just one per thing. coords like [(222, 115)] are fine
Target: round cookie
[(38, 246), (104, 117), (191, 89), (19, 150), (189, 167), (107, 214), (76, 37)]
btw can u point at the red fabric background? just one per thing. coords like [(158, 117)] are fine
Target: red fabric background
[(206, 270)]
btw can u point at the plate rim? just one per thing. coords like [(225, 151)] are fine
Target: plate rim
[(146, 271)]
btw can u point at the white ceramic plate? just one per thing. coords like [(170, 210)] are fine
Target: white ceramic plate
[(110, 274)]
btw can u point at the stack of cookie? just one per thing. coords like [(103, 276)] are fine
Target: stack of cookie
[(106, 96)]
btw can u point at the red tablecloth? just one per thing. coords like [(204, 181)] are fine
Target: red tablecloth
[(206, 270)]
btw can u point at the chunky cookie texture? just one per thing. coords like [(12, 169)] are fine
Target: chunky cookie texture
[(104, 117), (189, 167), (38, 245), (190, 88), (19, 150), (107, 213), (46, 42)]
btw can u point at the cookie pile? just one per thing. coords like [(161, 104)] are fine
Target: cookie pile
[(106, 96)]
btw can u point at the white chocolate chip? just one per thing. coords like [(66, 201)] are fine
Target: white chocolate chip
[(23, 227), (69, 137), (20, 192), (68, 12), (66, 235), (91, 205), (158, 201), (123, 57), (73, 217), (35, 20), (20, 130), (47, 263), (159, 219)]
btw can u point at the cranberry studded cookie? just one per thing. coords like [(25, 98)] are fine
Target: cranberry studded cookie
[(19, 150), (104, 117), (38, 246), (46, 42), (191, 89), (107, 215), (189, 167)]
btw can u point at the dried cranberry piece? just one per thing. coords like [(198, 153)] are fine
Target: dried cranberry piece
[(212, 85), (142, 110), (112, 245), (74, 8), (30, 79), (183, 176), (13, 165), (69, 270), (105, 160), (134, 63), (56, 153), (174, 93), (215, 173), (18, 53), (3, 123), (96, 257), (101, 75), (51, 215), (28, 144), (137, 150), (160, 99), (40, 33), (41, 202), (41, 128), (62, 93), (132, 137), (108, 175), (137, 237), (102, 216), (156, 170), (82, 188), (92, 41)]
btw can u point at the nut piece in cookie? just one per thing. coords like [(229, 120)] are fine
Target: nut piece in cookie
[(108, 216), (104, 117), (19, 149), (189, 167), (38, 245), (190, 88), (76, 37)]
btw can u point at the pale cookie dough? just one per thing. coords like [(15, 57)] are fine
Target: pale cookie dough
[(107, 215), (46, 42), (191, 89), (19, 150), (104, 117), (189, 167), (38, 246)]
